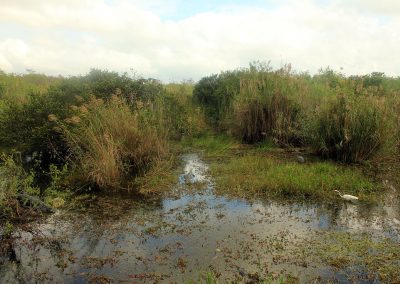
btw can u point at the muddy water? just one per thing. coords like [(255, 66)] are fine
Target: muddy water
[(189, 231)]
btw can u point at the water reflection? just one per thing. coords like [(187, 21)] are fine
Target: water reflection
[(174, 238)]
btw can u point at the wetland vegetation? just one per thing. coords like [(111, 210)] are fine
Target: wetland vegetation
[(230, 179)]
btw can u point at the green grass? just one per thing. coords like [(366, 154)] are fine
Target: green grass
[(213, 145), (258, 174), (159, 178)]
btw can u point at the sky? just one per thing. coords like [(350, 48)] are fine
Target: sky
[(174, 40)]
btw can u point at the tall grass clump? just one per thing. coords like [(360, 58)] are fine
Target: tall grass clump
[(110, 142), (265, 107), (350, 129)]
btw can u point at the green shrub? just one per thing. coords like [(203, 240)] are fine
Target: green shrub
[(215, 94), (13, 180), (27, 127), (30, 125), (178, 113)]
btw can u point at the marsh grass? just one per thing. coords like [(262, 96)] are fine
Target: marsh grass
[(110, 142), (351, 129), (379, 259), (15, 87), (264, 107), (178, 114), (265, 175), (214, 145), (159, 178), (347, 119)]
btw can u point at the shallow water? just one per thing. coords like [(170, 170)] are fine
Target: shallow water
[(189, 231)]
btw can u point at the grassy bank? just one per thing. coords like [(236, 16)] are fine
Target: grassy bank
[(258, 174), (264, 169)]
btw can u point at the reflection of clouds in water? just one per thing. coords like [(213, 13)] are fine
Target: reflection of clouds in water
[(351, 217), (194, 169), (361, 217), (152, 237)]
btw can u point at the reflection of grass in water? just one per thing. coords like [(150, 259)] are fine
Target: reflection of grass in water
[(379, 259), (255, 173)]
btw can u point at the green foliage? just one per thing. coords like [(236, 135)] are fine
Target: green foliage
[(257, 174), (127, 121), (26, 127), (177, 112), (103, 84), (13, 180), (29, 125), (15, 87), (350, 129), (291, 109), (214, 145), (215, 93), (264, 107), (253, 104), (8, 229)]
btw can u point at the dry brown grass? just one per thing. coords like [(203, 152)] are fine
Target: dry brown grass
[(112, 142)]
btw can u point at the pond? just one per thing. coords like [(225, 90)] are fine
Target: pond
[(190, 231)]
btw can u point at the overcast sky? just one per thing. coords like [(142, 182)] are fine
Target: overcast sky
[(181, 39)]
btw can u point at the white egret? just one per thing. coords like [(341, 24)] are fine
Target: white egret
[(347, 197)]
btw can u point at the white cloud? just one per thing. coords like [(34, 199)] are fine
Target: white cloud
[(385, 7), (70, 38)]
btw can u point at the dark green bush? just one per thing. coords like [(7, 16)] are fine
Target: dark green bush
[(215, 94), (26, 127), (13, 180)]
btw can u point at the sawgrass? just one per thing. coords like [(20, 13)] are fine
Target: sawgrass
[(257, 174)]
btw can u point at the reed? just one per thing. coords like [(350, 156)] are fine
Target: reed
[(351, 129), (110, 142)]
